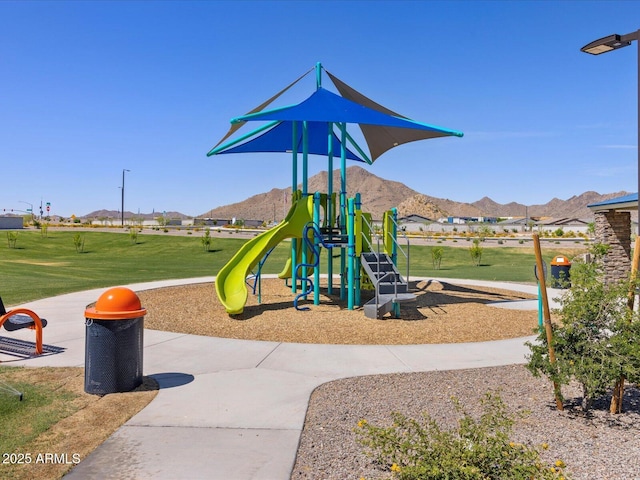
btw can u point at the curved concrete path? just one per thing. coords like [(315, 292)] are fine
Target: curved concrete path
[(234, 409)]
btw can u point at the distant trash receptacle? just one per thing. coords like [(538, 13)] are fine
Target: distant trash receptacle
[(560, 272)]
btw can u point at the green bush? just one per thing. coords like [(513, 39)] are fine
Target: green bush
[(78, 242), (206, 240), (436, 257), (476, 252), (599, 338), (479, 449), (12, 239)]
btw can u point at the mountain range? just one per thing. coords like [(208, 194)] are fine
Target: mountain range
[(379, 194)]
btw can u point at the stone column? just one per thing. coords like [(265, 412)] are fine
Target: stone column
[(614, 229)]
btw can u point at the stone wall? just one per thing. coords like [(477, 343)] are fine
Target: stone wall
[(614, 229)]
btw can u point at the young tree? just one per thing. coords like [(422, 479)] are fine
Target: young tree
[(599, 337), (436, 257), (476, 252)]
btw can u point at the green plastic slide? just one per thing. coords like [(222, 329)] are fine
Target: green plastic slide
[(230, 282)]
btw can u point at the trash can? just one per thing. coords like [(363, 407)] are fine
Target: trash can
[(114, 343), (560, 272)]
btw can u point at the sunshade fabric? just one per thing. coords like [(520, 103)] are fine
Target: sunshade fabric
[(324, 106), (381, 138), (280, 138), (234, 128)]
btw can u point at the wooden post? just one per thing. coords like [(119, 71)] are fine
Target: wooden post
[(618, 390), (546, 315)]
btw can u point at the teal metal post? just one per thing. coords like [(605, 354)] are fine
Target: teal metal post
[(294, 187), (540, 327), (305, 157), (343, 206), (343, 169), (316, 243), (356, 257), (394, 227), (305, 192), (352, 254), (329, 210), (394, 253), (318, 75)]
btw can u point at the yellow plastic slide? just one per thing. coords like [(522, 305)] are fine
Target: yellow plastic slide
[(231, 284), (286, 272)]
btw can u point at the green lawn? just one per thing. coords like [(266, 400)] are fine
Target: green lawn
[(41, 267)]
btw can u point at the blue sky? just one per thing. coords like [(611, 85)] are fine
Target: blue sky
[(91, 88)]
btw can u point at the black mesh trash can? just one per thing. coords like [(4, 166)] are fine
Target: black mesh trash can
[(114, 343), (560, 272)]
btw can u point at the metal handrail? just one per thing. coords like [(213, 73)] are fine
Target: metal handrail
[(376, 281), (406, 254)]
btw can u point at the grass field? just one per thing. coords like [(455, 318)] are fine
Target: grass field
[(40, 267)]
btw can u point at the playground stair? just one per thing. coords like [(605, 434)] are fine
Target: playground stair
[(391, 288)]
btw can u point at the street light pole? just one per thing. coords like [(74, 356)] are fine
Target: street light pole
[(30, 208), (122, 203), (603, 45), (614, 42)]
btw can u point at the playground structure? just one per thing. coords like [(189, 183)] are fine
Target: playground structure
[(331, 220)]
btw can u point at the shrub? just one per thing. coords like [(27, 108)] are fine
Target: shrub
[(599, 338), (436, 257), (477, 450), (476, 252), (78, 242), (12, 238), (133, 235), (206, 240)]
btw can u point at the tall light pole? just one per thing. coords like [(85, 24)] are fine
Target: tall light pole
[(122, 204), (614, 42), (603, 45)]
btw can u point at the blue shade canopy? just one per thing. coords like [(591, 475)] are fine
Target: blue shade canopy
[(280, 139), (385, 132), (381, 127), (626, 202)]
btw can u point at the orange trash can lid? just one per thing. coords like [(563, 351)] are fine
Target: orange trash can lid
[(560, 260), (118, 303)]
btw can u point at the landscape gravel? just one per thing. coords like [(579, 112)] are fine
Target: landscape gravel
[(594, 446)]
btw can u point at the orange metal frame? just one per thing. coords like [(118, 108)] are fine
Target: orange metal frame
[(37, 324)]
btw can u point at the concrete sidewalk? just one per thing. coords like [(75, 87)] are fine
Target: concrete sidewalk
[(234, 409)]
